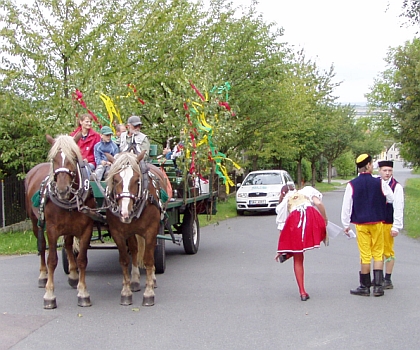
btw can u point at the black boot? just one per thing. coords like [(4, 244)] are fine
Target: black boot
[(378, 277), (373, 281), (364, 288)]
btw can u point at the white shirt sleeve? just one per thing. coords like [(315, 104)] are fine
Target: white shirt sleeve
[(387, 191), (398, 208), (282, 213), (347, 206)]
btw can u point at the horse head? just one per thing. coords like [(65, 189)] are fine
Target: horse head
[(124, 184), (65, 174)]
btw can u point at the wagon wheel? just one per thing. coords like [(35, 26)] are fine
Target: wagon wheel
[(190, 231), (66, 260), (160, 256)]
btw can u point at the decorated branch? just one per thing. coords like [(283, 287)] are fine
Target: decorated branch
[(203, 132)]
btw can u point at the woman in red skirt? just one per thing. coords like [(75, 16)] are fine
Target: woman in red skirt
[(302, 220)]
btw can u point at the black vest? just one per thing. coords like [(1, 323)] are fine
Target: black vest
[(369, 202), (389, 206)]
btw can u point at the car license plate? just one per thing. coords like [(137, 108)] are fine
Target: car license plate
[(257, 202)]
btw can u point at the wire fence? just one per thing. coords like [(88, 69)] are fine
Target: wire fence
[(12, 201)]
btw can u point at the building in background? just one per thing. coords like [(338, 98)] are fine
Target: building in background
[(392, 153)]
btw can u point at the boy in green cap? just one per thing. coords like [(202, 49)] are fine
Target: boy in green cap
[(106, 145)]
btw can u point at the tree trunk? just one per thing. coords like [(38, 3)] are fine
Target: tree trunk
[(313, 168), (299, 174), (254, 162), (329, 171)]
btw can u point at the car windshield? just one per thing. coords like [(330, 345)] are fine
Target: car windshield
[(263, 179)]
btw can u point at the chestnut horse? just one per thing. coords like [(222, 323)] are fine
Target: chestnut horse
[(135, 208), (56, 192)]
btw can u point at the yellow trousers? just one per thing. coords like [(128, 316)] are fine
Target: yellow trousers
[(388, 242), (370, 240)]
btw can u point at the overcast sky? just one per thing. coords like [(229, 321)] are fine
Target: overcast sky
[(352, 35)]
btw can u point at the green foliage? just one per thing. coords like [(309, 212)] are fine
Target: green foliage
[(292, 169), (22, 139), (396, 95), (282, 105), (345, 164)]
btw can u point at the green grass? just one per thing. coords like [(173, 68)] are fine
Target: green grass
[(17, 243), (225, 210), (326, 187), (412, 208)]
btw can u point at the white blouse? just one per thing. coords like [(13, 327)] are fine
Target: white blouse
[(281, 209)]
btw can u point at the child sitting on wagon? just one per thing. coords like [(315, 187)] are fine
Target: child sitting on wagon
[(106, 145)]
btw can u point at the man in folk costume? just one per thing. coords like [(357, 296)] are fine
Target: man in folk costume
[(364, 204), (301, 219), (394, 218)]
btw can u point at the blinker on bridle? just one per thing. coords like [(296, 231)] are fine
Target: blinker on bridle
[(121, 195)]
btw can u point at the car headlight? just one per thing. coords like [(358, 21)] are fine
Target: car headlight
[(242, 195), (273, 194)]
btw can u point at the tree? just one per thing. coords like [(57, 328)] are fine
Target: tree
[(345, 164), (22, 142), (411, 10), (396, 93), (340, 133)]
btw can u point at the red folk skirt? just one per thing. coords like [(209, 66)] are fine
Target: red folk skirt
[(303, 230)]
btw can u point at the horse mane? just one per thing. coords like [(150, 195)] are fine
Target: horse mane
[(121, 161), (65, 144)]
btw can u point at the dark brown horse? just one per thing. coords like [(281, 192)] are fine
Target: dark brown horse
[(56, 192), (136, 208)]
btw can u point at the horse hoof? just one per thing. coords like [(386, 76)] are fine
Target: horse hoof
[(50, 304), (73, 283), (149, 301), (42, 282), (83, 301), (135, 286), (126, 300)]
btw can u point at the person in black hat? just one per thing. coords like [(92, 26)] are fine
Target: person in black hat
[(364, 205), (394, 218), (134, 138)]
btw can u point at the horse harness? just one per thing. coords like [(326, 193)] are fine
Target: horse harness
[(47, 192), (143, 195), (79, 195)]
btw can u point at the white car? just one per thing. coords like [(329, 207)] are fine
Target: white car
[(260, 190)]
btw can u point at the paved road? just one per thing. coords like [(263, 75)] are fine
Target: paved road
[(231, 295)]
